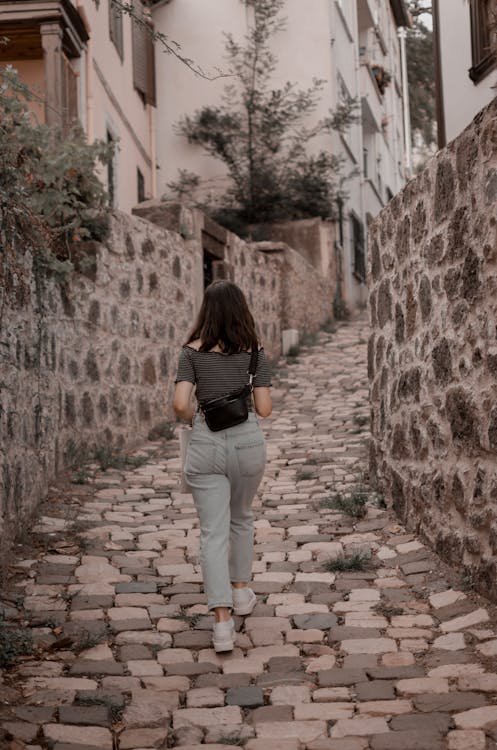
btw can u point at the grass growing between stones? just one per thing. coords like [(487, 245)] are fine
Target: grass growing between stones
[(191, 620), (303, 476), (164, 430), (342, 564), (232, 739), (14, 643), (353, 504)]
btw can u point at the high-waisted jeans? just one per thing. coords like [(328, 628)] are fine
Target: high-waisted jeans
[(224, 470)]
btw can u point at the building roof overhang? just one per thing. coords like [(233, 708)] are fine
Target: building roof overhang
[(20, 21)]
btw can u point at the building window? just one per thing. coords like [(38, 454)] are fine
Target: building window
[(140, 186), (143, 55), (116, 29), (483, 20), (69, 93), (358, 247), (111, 174), (365, 161)]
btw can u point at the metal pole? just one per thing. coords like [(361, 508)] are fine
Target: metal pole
[(402, 33)]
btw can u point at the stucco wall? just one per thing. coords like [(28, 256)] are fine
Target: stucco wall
[(432, 356), (462, 99)]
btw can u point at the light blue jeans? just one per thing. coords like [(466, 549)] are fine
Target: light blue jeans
[(224, 470)]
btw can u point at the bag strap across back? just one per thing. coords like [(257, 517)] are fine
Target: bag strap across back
[(253, 366)]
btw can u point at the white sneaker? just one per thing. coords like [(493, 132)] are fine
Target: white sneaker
[(223, 635), (244, 601)]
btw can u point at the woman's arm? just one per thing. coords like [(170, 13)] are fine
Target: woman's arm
[(182, 401), (262, 401)]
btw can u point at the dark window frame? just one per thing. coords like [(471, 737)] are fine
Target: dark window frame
[(143, 55), (140, 186), (116, 29), (483, 57), (358, 247), (111, 173)]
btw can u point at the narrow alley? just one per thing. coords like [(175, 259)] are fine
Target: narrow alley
[(362, 639)]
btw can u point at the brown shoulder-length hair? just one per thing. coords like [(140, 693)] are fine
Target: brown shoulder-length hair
[(224, 319)]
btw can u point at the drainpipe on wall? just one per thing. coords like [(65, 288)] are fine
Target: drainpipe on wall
[(402, 33), (153, 150)]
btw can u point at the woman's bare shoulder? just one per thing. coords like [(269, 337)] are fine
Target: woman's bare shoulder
[(195, 344)]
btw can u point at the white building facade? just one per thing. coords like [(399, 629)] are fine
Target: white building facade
[(465, 62), (354, 45)]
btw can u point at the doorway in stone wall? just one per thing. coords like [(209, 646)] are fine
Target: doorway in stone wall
[(214, 239)]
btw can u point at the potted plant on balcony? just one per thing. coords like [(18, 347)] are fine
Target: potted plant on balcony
[(382, 77)]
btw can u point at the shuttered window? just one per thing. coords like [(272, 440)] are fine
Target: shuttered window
[(483, 32), (116, 29), (143, 55), (69, 94)]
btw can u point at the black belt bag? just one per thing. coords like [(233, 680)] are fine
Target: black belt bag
[(228, 411)]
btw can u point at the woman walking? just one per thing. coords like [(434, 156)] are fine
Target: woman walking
[(224, 466)]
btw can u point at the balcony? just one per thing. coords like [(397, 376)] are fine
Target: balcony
[(52, 33), (371, 99)]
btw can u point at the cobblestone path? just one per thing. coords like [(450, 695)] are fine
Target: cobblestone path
[(361, 638)]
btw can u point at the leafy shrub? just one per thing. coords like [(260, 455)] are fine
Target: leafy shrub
[(50, 195)]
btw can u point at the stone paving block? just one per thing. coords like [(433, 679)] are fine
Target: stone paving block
[(375, 690), (450, 702), (369, 646), (305, 731), (271, 714), (21, 730), (286, 744), (319, 711), (407, 741), (145, 667), (385, 707), (466, 740), (290, 695), (477, 718), (359, 726), (465, 621), (341, 677), (98, 737), (435, 722), (130, 739), (205, 697), (247, 697), (485, 683), (206, 717), (419, 685), (34, 714), (85, 715)]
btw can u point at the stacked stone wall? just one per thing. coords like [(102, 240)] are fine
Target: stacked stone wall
[(306, 298), (432, 356), (91, 362)]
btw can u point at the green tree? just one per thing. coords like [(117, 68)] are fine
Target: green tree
[(262, 135), (421, 72)]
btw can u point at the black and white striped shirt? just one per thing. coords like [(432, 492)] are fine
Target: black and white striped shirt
[(216, 374)]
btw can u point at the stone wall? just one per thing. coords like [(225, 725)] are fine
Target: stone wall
[(432, 356), (96, 366), (92, 362)]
